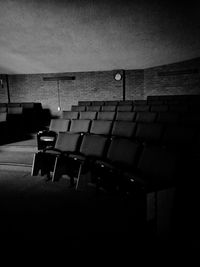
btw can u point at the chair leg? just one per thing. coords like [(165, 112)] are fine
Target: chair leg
[(36, 165), (79, 174), (58, 169)]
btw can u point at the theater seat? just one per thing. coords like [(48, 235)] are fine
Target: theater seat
[(69, 115), (122, 155), (87, 115), (125, 108), (125, 116), (101, 127), (157, 169), (149, 133), (45, 160), (48, 137), (79, 126), (145, 116), (123, 129), (91, 149), (106, 115), (109, 108), (78, 108)]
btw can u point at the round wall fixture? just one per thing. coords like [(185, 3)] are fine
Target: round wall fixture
[(118, 76)]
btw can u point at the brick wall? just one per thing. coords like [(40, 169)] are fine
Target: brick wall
[(178, 78), (101, 85), (134, 84), (3, 90)]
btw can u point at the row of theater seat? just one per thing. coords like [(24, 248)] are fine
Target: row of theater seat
[(170, 135), (115, 163), (152, 100), (17, 119), (142, 107), (140, 116)]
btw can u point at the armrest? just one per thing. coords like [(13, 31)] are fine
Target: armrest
[(78, 157)]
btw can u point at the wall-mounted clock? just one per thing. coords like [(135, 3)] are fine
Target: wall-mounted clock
[(118, 76)]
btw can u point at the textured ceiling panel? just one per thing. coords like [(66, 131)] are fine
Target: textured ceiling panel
[(62, 36)]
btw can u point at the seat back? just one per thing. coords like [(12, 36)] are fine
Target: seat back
[(15, 110), (159, 108), (109, 108), (3, 109), (3, 116), (125, 116), (67, 141), (93, 108), (69, 115), (145, 116), (101, 127), (80, 126), (125, 108), (93, 145), (111, 103), (87, 115), (106, 115), (84, 103), (158, 166), (149, 132), (97, 103), (123, 129), (123, 152), (78, 108), (168, 117), (59, 125), (141, 108), (178, 136)]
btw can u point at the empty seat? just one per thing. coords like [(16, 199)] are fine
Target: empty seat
[(87, 115), (84, 103), (159, 108), (125, 102), (111, 103), (13, 104), (80, 126), (139, 102), (44, 161), (155, 102), (192, 119), (78, 108), (178, 108), (3, 109), (125, 108), (122, 155), (145, 117), (15, 110), (93, 108), (141, 108), (109, 108), (3, 116), (123, 129), (92, 148), (106, 115), (157, 168), (149, 132), (97, 103), (125, 116), (177, 136), (48, 137), (69, 115), (101, 127), (168, 117)]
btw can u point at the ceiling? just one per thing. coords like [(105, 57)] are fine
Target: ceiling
[(51, 36)]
